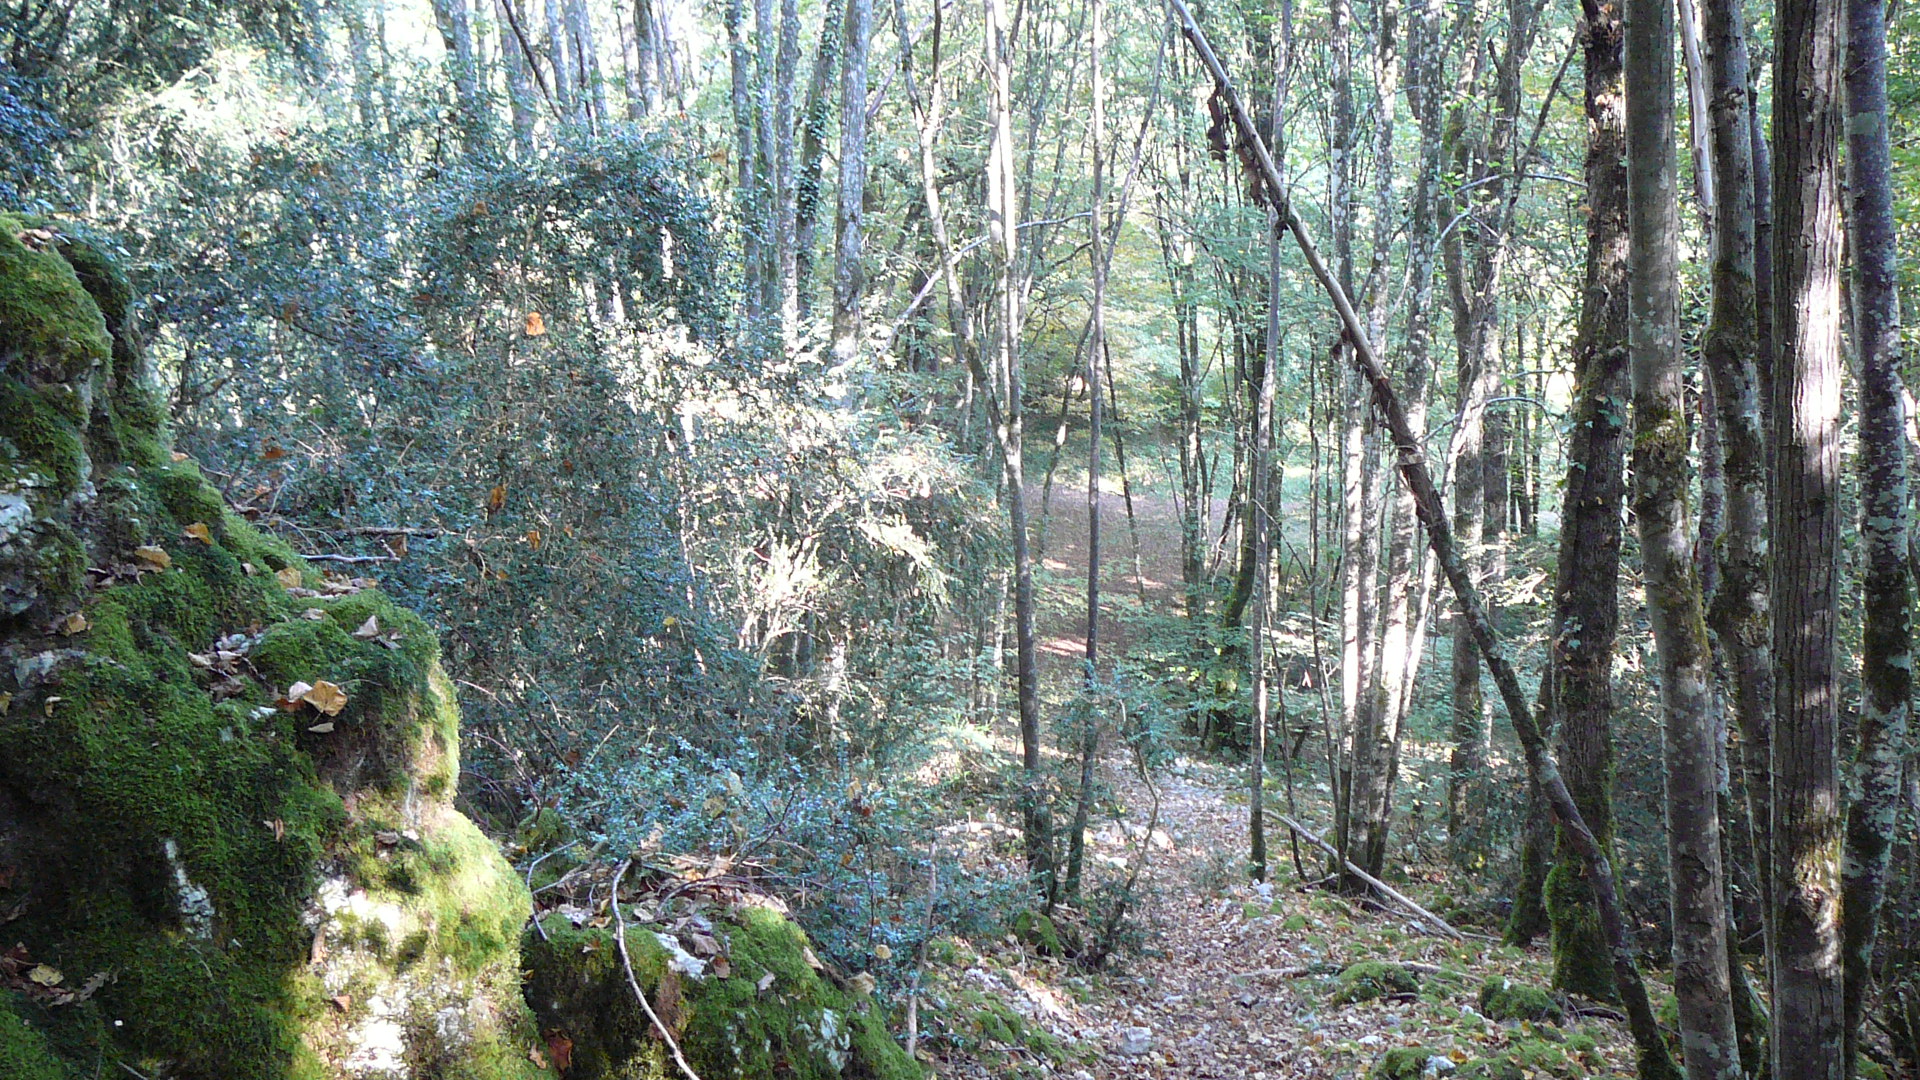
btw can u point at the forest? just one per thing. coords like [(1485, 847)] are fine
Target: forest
[(967, 538)]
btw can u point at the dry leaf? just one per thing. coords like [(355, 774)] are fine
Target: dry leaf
[(497, 497), (722, 967), (199, 531), (326, 697), (45, 976), (539, 1059), (323, 728), (561, 1049), (368, 629), (277, 827), (298, 691), (73, 624), (6, 703), (882, 952), (155, 557), (314, 614), (343, 1002), (533, 537), (178, 457), (535, 324), (397, 546), (765, 982), (274, 452), (288, 577)]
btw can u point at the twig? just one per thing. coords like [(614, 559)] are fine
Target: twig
[(626, 963), (1385, 889), (388, 530), (350, 558)]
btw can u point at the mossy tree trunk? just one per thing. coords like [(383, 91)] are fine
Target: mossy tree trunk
[(1886, 661), (1586, 601), (1660, 471)]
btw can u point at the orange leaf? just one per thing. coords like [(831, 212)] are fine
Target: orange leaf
[(535, 324), (155, 557), (274, 452), (560, 1048), (198, 531), (533, 537), (288, 577), (497, 498)]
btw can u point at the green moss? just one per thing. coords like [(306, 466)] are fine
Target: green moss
[(1531, 1058), (798, 1027), (1503, 999), (1371, 979), (1582, 963), (47, 319), (24, 1054), (1402, 1063), (1038, 932)]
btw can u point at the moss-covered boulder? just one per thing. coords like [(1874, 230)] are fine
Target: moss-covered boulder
[(766, 1013), (1503, 999), (1370, 979), (227, 841), (1406, 1063)]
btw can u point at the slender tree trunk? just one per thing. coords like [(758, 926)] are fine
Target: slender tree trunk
[(1886, 660), (1732, 352), (1003, 201), (748, 204), (455, 21), (813, 142), (785, 194), (1586, 602), (1805, 516), (1660, 446), (521, 96), (1378, 759), (360, 58), (849, 279), (590, 101)]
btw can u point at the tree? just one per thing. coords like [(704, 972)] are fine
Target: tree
[(1886, 660), (1586, 602), (1660, 447), (849, 278), (1804, 513)]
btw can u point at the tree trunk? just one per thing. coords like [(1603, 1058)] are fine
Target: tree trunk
[(1886, 655), (1003, 202), (785, 195), (1806, 798), (1586, 602), (590, 100), (849, 279), (813, 144), (1661, 442), (565, 87), (455, 21)]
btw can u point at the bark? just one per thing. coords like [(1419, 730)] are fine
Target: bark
[(1655, 1062), (785, 201), (1886, 660), (1731, 350), (565, 85), (1805, 519), (1586, 601), (520, 78), (360, 60), (455, 21), (590, 98), (1674, 606), (849, 279), (748, 205), (1377, 759), (1003, 201), (814, 121)]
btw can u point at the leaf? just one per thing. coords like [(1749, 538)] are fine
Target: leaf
[(298, 691), (6, 703), (533, 538), (155, 557), (322, 729), (273, 452), (722, 967), (882, 952), (199, 531), (765, 982), (368, 629), (277, 827), (536, 325), (314, 614), (326, 697), (560, 1048), (45, 976), (289, 577), (497, 497), (73, 624), (343, 1002), (177, 457)]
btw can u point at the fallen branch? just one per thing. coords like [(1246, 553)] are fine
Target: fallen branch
[(1386, 890), (350, 558), (626, 963)]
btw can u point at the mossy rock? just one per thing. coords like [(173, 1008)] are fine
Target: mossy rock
[(1038, 932), (1503, 999), (771, 1017), (1370, 979), (1403, 1063), (1529, 1059), (246, 891)]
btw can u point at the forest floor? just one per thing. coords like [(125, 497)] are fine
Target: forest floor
[(1220, 977)]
